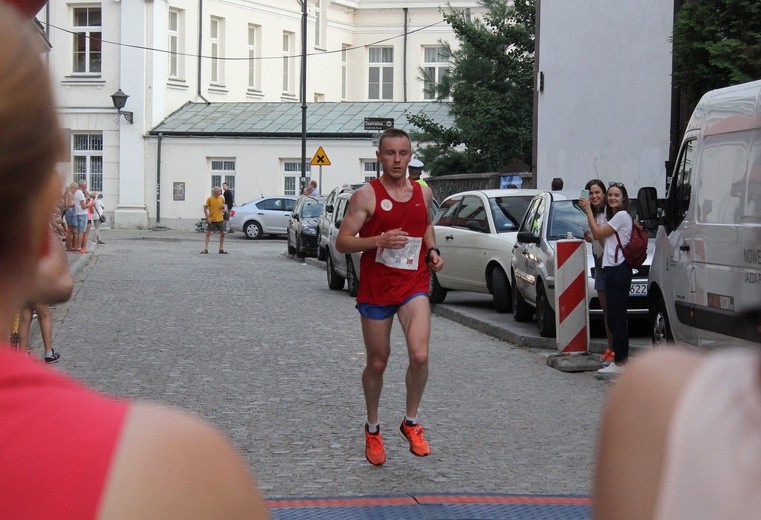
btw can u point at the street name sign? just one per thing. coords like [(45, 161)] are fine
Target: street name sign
[(379, 123)]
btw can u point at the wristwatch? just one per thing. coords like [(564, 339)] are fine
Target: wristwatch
[(428, 253)]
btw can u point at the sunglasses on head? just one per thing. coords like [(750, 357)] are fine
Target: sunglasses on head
[(614, 184)]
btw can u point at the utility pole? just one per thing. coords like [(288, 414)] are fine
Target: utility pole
[(303, 96)]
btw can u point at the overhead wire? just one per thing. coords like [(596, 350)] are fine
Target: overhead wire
[(231, 58)]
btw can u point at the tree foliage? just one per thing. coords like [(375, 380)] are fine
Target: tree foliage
[(490, 85), (716, 43)]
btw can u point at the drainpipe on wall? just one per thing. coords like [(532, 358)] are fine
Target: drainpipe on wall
[(158, 181), (200, 48), (404, 63)]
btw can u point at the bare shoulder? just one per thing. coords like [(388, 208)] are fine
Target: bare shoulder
[(170, 464), (635, 428), (364, 197)]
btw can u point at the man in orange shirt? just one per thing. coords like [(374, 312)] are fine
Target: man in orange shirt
[(214, 210)]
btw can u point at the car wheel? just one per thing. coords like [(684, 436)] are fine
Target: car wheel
[(291, 249), (522, 311), (437, 292), (500, 290), (252, 230), (321, 254), (335, 282), (659, 323), (545, 316), (351, 278)]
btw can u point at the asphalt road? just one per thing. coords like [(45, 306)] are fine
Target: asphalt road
[(257, 344)]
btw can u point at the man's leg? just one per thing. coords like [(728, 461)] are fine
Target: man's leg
[(415, 318), (208, 236), (24, 327), (377, 336), (222, 237)]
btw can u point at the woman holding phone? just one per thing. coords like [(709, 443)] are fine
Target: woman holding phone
[(596, 193), (617, 273)]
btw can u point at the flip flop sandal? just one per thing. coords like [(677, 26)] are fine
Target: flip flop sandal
[(223, 252), (205, 252)]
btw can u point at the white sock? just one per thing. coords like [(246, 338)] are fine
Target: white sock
[(373, 428), (410, 420)]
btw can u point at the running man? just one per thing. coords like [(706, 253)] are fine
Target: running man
[(391, 216)]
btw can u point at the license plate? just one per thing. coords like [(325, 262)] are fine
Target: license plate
[(638, 289)]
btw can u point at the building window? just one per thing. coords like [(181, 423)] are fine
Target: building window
[(292, 176), (217, 40), (87, 154), (381, 73), (176, 34), (435, 69), (344, 68), (87, 40), (254, 32), (320, 23), (288, 67), (370, 168), (223, 171)]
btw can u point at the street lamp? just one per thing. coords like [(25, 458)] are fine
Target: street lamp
[(120, 99)]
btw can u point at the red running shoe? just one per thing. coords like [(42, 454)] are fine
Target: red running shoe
[(374, 450), (414, 434)]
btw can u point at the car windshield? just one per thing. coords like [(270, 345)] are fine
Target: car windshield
[(312, 208), (567, 217), (508, 212)]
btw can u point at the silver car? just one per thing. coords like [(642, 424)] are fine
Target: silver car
[(264, 216), (550, 217), (326, 216), (340, 267)]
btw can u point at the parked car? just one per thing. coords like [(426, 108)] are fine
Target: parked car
[(267, 215), (550, 217), (476, 232), (340, 267), (302, 226), (327, 216)]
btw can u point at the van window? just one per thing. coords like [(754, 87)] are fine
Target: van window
[(681, 186), (753, 193), (723, 179)]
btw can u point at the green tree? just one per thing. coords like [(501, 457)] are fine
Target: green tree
[(490, 86), (716, 43)]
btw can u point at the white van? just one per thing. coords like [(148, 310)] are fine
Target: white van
[(706, 272)]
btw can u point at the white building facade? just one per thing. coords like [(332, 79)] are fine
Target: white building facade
[(603, 102), (165, 54)]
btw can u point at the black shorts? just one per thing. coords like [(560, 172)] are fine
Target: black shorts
[(216, 226)]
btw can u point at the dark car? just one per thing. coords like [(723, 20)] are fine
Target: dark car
[(302, 226)]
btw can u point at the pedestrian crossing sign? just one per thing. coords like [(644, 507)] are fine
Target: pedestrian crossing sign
[(320, 158)]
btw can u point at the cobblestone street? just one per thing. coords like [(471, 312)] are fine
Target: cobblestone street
[(256, 343)]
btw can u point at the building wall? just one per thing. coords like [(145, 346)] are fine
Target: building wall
[(141, 70), (604, 111)]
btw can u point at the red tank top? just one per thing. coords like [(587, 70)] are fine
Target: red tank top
[(57, 439), (380, 284)]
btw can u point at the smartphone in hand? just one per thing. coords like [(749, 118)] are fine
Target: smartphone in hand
[(585, 194)]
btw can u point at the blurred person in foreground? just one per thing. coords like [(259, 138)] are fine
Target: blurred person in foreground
[(68, 451)]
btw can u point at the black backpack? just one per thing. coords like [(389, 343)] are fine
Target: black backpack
[(635, 252)]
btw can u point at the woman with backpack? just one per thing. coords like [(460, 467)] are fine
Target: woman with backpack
[(617, 272)]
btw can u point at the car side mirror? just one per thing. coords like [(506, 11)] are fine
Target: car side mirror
[(338, 223), (527, 237), (329, 208), (295, 216), (647, 207)]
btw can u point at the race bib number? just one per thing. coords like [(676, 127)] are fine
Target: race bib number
[(405, 258)]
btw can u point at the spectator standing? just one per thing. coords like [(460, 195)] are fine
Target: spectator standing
[(388, 219), (80, 211), (213, 210), (68, 451), (70, 217), (98, 213), (229, 203), (557, 184), (311, 189), (618, 273)]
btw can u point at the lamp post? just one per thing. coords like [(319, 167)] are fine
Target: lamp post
[(303, 90), (119, 99)]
